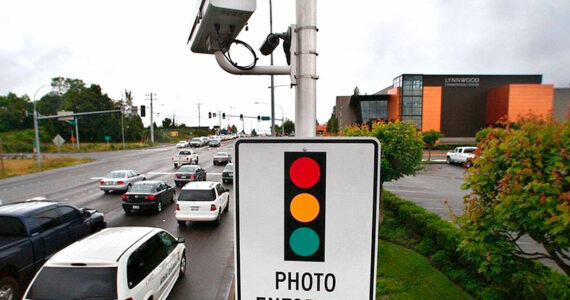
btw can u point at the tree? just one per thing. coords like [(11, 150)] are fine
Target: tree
[(166, 123), (253, 132), (332, 123), (520, 187), (13, 112), (401, 144), (288, 127), (234, 129), (430, 138)]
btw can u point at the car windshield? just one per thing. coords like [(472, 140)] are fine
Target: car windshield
[(197, 195), (187, 169), (196, 140), (11, 227), (62, 283), (142, 188), (184, 153), (229, 168), (116, 175), (469, 150)]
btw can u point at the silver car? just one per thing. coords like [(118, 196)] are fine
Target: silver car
[(120, 180)]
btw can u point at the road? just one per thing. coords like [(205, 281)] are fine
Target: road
[(209, 248)]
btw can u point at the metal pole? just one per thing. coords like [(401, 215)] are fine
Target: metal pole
[(2, 159), (306, 91), (123, 129), (77, 132), (151, 122), (37, 134), (272, 77)]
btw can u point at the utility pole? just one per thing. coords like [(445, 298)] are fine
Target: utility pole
[(199, 117), (151, 118), (272, 76), (77, 132), (123, 128)]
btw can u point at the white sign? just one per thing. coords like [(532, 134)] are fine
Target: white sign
[(63, 114), (58, 140), (306, 219)]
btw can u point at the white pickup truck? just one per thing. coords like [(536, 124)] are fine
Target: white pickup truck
[(462, 155), (185, 157)]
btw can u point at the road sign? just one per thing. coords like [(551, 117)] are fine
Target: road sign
[(107, 138), (58, 140), (63, 114), (306, 218), (71, 122), (265, 118), (72, 139)]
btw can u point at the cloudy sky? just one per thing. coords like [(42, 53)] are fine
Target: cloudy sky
[(141, 46)]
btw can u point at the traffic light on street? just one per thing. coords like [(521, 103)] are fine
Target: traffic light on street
[(209, 115), (258, 118), (224, 116), (241, 117), (143, 111), (305, 203)]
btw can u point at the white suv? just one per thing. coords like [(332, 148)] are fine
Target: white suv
[(202, 201), (115, 263), (462, 155)]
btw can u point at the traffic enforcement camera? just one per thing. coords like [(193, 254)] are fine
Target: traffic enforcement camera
[(217, 23)]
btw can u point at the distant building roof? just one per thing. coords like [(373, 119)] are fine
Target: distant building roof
[(384, 91)]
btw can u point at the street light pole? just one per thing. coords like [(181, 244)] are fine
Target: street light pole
[(272, 119), (272, 76), (37, 134)]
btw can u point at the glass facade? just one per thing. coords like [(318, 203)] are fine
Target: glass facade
[(373, 110), (411, 98)]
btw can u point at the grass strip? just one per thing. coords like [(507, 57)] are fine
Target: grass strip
[(17, 167)]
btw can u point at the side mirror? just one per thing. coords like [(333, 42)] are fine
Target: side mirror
[(86, 213), (181, 240)]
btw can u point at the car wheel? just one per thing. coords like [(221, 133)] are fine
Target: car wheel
[(182, 271), (129, 187), (181, 223), (228, 206), (106, 191), (173, 197), (175, 165), (469, 164), (448, 160), (219, 218), (159, 206), (127, 211), (144, 179), (8, 288)]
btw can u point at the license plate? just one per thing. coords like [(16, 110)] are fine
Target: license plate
[(194, 208), (136, 207), (184, 176)]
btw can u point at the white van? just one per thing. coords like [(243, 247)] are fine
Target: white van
[(115, 263)]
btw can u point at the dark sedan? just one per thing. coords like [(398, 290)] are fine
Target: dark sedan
[(222, 158), (228, 173), (214, 143), (189, 173), (148, 196)]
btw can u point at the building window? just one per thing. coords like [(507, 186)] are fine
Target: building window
[(373, 110), (411, 100)]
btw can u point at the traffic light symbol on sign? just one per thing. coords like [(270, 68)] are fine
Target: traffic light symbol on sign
[(305, 203)]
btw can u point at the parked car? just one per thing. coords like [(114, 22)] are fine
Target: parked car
[(182, 144), (120, 180), (202, 202), (222, 158), (116, 263), (185, 157), (148, 195), (462, 155), (189, 173), (196, 142), (214, 143), (31, 232), (228, 173)]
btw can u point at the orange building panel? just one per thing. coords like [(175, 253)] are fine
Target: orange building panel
[(394, 104), (431, 108), (497, 105), (537, 99)]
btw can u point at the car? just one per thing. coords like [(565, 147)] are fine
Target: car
[(204, 201), (228, 173), (115, 263), (196, 142), (222, 158), (120, 180), (182, 144), (189, 173), (147, 196), (214, 143), (462, 155), (185, 157), (32, 231)]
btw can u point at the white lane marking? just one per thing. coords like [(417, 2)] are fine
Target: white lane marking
[(161, 173)]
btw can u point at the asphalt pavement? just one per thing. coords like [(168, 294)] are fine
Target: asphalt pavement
[(209, 248)]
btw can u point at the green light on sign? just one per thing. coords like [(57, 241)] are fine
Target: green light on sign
[(304, 241)]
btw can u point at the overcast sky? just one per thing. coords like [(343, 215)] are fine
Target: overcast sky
[(141, 46)]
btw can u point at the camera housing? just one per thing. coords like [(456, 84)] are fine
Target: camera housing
[(218, 23)]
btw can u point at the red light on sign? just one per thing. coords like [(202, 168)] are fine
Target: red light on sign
[(304, 172)]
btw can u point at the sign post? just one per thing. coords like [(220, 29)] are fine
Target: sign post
[(306, 219)]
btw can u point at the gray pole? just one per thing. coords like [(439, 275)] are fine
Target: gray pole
[(37, 134), (272, 79), (77, 132), (123, 129), (151, 122), (306, 92)]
